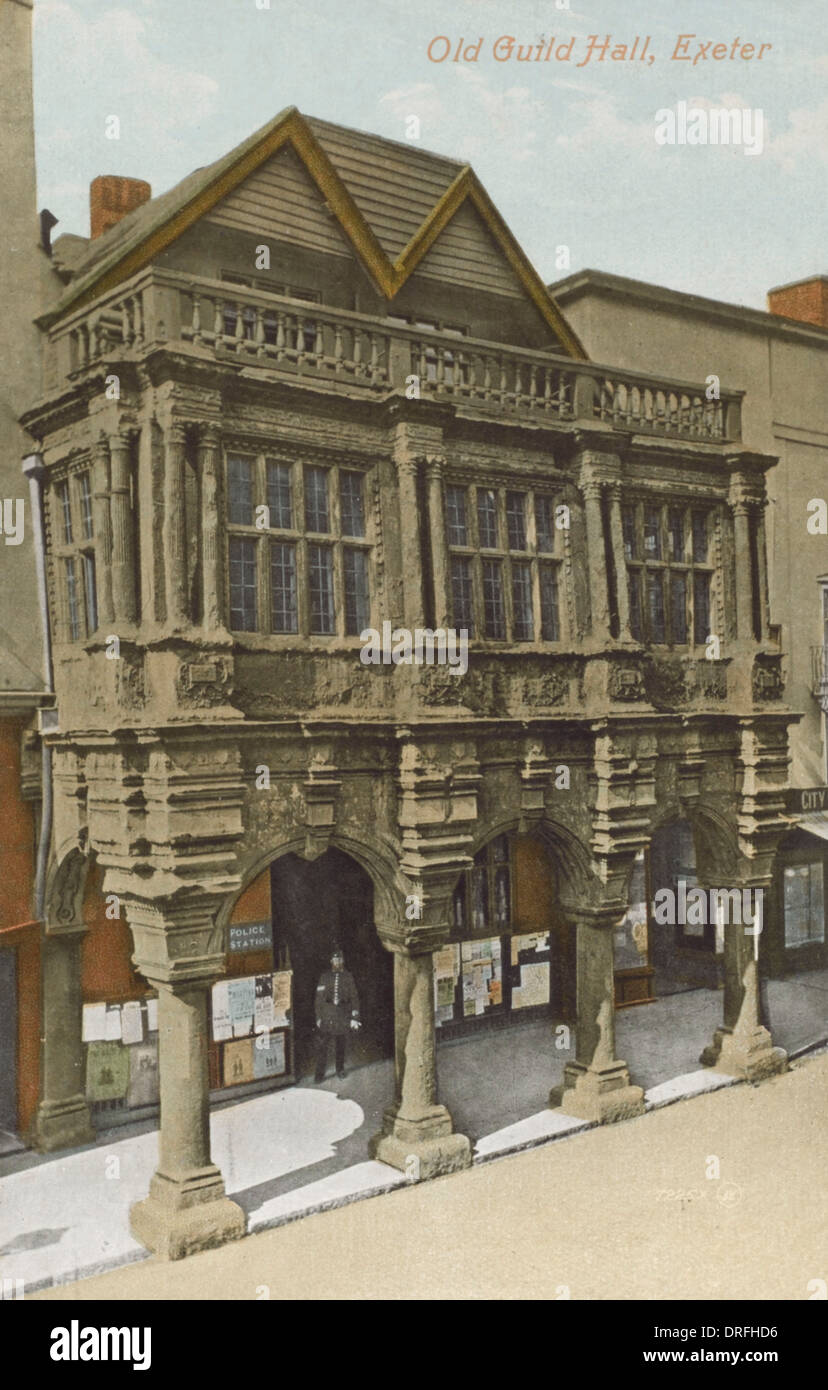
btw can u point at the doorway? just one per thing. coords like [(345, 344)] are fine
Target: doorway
[(315, 906)]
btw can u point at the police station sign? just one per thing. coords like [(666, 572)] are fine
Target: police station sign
[(803, 801), (251, 936)]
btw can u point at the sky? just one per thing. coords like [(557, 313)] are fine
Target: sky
[(566, 148)]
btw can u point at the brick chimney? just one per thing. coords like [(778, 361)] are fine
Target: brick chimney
[(805, 300), (111, 197)]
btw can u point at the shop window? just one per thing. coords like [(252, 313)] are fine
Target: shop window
[(282, 577), (489, 971), (505, 555), (803, 894), (667, 549)]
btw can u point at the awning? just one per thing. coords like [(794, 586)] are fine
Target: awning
[(815, 824)]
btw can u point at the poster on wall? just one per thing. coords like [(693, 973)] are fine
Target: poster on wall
[(531, 970), (143, 1075), (269, 1058), (238, 1062), (107, 1071)]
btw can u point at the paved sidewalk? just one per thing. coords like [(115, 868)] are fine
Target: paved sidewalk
[(629, 1211), (291, 1152)]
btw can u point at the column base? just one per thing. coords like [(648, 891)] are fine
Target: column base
[(62, 1124), (182, 1216), (750, 1053), (599, 1094), (422, 1148)]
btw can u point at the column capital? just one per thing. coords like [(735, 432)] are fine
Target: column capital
[(209, 434)]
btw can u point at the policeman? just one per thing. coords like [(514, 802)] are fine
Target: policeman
[(337, 1012)]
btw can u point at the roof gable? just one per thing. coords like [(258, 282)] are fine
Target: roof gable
[(393, 188)]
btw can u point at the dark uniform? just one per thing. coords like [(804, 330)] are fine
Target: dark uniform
[(337, 1007)]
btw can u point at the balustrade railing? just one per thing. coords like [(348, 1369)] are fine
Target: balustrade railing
[(308, 339)]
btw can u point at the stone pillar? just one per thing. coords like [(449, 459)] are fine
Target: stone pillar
[(103, 533), (622, 588), (596, 1085), (410, 541), (175, 524), (417, 1132), (742, 562), (437, 534), (762, 566), (123, 547), (62, 1120), (743, 1046), (186, 1209), (212, 567), (596, 561), (177, 948)]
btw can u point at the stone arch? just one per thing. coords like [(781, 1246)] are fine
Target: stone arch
[(713, 834), (572, 862), (66, 887), (379, 862)]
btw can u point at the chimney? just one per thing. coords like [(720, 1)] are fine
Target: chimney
[(805, 300), (111, 197)]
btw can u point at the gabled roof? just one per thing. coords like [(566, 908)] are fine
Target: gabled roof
[(380, 191)]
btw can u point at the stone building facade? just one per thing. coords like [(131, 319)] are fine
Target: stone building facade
[(316, 389)]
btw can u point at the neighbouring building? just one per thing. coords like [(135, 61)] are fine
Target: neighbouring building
[(779, 359), (318, 389)]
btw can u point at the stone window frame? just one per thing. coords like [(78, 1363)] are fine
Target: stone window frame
[(301, 539), (76, 604), (479, 559), (639, 564)]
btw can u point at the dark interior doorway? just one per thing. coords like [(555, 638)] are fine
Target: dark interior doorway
[(315, 905)]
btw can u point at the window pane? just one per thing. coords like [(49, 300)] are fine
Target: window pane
[(628, 525), (91, 592), (545, 523), (279, 499), (72, 598), (652, 533), (678, 607), (243, 597), (804, 908), (86, 507), (500, 849), (66, 511), (700, 537), (459, 901), (655, 606), (316, 499), (357, 607), (487, 518), (701, 607), (634, 582), (523, 619), (675, 531), (461, 594), (456, 516), (240, 491), (320, 577), (283, 617), (352, 511), (550, 620), (516, 519), (493, 610)]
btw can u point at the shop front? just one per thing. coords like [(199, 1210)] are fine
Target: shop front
[(509, 957), (796, 940)]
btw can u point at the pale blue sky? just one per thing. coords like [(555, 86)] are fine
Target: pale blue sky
[(568, 154)]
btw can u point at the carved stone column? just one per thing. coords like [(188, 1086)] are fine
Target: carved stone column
[(175, 524), (743, 1046), (596, 1085), (417, 1132), (186, 1209), (62, 1120), (437, 534), (622, 588), (742, 560), (103, 532), (212, 567), (591, 489), (410, 541), (123, 547)]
